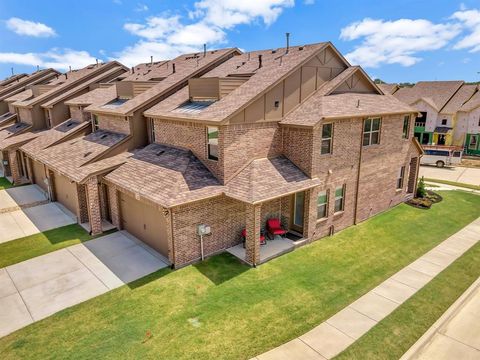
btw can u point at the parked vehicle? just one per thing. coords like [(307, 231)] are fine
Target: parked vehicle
[(441, 156)]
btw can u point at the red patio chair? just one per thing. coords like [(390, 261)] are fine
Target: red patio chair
[(244, 236), (274, 227)]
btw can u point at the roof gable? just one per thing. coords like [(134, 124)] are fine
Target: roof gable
[(358, 82)]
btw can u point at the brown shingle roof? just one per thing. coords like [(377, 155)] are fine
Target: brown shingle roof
[(33, 78), (461, 97), (388, 88), (473, 103), (166, 175), (6, 119), (438, 92), (185, 66), (68, 157), (24, 95), (265, 179), (16, 141), (147, 71), (275, 66), (98, 96), (12, 129), (49, 137)]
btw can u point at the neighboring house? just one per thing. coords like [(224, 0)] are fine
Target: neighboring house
[(230, 140), (42, 107), (468, 125), (71, 169), (438, 102)]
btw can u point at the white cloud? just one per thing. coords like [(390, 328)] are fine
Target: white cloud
[(29, 28), (166, 36), (396, 42), (60, 59), (470, 20), (141, 8)]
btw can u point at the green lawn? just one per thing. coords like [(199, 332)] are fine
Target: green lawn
[(18, 250), (454, 183), (4, 183), (393, 336), (221, 309)]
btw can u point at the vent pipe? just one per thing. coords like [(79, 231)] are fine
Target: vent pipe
[(133, 70), (151, 60), (204, 50), (288, 41), (70, 68), (96, 60), (12, 71), (173, 66), (259, 61)]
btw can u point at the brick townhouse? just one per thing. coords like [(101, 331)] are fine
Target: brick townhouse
[(230, 140), (42, 107), (295, 134), (70, 171)]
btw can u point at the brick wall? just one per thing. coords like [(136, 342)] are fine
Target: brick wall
[(25, 115), (297, 147), (114, 206), (82, 203), (226, 217), (14, 167), (78, 113), (114, 123), (94, 205)]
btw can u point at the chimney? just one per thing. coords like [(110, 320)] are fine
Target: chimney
[(288, 42), (151, 60), (204, 50), (173, 66), (259, 61)]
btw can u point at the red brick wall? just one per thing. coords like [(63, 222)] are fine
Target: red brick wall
[(297, 147), (226, 217), (114, 123), (78, 113)]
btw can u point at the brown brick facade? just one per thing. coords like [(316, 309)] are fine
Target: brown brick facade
[(93, 201), (114, 200), (118, 124), (77, 113), (82, 203)]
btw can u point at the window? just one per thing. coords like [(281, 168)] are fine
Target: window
[(473, 142), (401, 176), (322, 205), (406, 126), (212, 142), (327, 135), (371, 131), (94, 122), (478, 121), (339, 198), (444, 122)]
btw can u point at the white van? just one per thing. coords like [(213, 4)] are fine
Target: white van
[(441, 157)]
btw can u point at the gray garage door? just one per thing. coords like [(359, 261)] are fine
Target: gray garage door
[(39, 175), (144, 222), (66, 193)]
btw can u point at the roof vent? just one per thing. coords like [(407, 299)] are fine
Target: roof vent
[(259, 61), (160, 152), (300, 48), (87, 154), (104, 136), (69, 124)]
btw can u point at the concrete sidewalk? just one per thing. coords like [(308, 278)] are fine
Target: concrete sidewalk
[(345, 327), (456, 335), (17, 198), (39, 287)]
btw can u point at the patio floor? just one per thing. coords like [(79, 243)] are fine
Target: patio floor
[(272, 249)]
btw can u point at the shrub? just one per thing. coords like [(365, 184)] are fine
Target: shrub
[(421, 192)]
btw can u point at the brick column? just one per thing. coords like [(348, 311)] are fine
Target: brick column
[(252, 244), (114, 206), (82, 203), (13, 163), (168, 217), (94, 206), (310, 213)]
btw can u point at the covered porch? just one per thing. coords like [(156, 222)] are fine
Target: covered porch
[(280, 209)]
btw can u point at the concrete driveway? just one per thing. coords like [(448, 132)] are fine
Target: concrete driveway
[(457, 174), (42, 286), (32, 220), (24, 196)]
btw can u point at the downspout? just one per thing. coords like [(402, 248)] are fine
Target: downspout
[(173, 242), (355, 221)]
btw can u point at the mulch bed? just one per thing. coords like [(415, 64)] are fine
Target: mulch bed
[(426, 202)]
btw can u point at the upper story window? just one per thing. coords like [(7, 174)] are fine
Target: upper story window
[(444, 122), (406, 126), (401, 177), (327, 137), (212, 142), (95, 122), (322, 205), (371, 131), (340, 198)]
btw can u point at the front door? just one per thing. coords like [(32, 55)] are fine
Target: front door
[(425, 138), (298, 211)]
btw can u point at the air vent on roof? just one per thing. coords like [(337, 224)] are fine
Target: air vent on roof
[(104, 136), (160, 152), (69, 124), (300, 48), (87, 154), (274, 51)]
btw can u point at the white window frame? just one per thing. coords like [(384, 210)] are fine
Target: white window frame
[(342, 198), (325, 204), (210, 154), (401, 178), (329, 139), (371, 131)]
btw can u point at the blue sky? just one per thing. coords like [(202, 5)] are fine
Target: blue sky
[(397, 41)]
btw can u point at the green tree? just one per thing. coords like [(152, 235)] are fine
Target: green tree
[(421, 192)]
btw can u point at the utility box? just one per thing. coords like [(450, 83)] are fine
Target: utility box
[(203, 229)]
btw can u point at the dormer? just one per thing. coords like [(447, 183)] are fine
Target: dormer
[(38, 90), (214, 88), (129, 89)]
